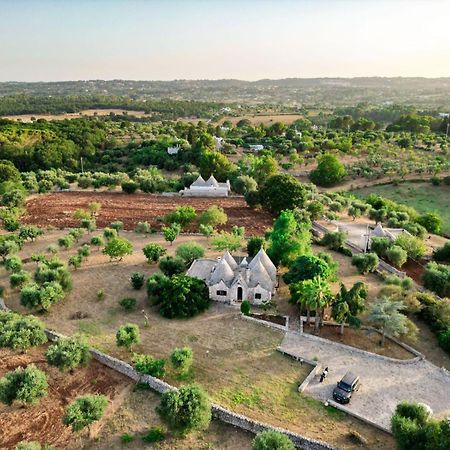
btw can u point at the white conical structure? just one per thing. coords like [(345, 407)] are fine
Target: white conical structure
[(262, 257), (222, 272)]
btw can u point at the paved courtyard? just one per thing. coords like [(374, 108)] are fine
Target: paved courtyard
[(384, 382)]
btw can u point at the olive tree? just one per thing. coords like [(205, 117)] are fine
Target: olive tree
[(85, 410), (26, 385)]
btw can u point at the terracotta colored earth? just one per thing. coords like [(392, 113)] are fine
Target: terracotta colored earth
[(56, 209), (43, 422)]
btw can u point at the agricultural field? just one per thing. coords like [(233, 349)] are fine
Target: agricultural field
[(235, 360), (424, 197), (43, 422), (57, 210)]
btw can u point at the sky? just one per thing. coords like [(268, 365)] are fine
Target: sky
[(50, 40)]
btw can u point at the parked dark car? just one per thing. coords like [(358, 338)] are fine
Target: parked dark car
[(344, 389)]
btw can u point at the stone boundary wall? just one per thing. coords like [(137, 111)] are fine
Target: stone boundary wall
[(267, 323), (255, 427), (358, 350), (358, 416), (223, 414)]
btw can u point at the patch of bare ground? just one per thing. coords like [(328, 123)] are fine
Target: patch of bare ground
[(56, 209), (43, 422), (137, 415), (235, 360)]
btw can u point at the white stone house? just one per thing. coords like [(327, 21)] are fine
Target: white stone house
[(218, 142), (379, 231), (173, 150), (255, 148), (209, 188), (232, 279)]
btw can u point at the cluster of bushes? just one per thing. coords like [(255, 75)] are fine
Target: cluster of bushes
[(436, 313), (413, 428), (179, 296), (52, 280), (436, 278)]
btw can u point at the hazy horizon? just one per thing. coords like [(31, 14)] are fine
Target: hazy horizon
[(245, 40)]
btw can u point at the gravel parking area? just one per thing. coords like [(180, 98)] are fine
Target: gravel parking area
[(384, 382)]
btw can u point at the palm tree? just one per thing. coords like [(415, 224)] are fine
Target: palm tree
[(315, 295)]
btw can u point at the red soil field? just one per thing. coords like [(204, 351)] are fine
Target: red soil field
[(43, 422), (56, 209)]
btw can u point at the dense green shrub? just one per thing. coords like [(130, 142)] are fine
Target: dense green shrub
[(272, 440), (182, 359), (213, 216), (178, 296), (183, 215), (20, 332), (334, 240), (128, 303), (255, 244), (26, 385), (85, 410), (190, 251), (365, 262), (307, 267), (170, 265), (442, 254), (153, 252), (329, 171), (137, 280), (155, 434), (185, 410), (68, 353), (245, 307), (436, 278), (19, 279), (380, 245), (396, 255), (128, 335), (129, 187), (148, 365), (117, 248)]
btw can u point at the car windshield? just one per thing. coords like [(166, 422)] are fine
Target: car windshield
[(344, 386)]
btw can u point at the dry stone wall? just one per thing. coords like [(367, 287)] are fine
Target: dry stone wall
[(218, 412)]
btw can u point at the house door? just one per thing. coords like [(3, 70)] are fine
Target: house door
[(239, 294)]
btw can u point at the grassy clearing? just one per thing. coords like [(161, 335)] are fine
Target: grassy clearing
[(422, 196)]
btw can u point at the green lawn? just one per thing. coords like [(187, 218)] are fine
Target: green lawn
[(422, 196)]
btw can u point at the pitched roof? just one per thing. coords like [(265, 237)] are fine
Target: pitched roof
[(212, 182), (201, 268), (199, 181), (259, 275), (262, 257), (230, 260), (223, 272)]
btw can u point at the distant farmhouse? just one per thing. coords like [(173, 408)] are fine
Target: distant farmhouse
[(218, 142), (232, 279), (255, 148), (173, 150), (209, 188)]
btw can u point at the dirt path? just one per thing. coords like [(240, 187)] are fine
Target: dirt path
[(384, 383), (56, 209)]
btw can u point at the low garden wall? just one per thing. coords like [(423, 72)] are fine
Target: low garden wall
[(223, 414), (267, 323)]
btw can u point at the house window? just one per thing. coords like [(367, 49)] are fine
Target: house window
[(257, 296), (221, 292)]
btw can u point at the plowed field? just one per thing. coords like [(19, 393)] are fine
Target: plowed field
[(56, 209), (43, 422)]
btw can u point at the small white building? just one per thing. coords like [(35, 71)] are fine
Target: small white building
[(232, 279), (173, 150), (218, 142), (209, 188), (391, 233), (255, 148)]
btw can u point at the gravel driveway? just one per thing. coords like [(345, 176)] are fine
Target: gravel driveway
[(384, 382)]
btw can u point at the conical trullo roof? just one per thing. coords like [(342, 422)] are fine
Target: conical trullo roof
[(223, 272), (212, 181), (199, 181), (262, 257), (230, 260), (259, 275)]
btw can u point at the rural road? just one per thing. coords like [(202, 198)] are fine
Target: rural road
[(384, 383)]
